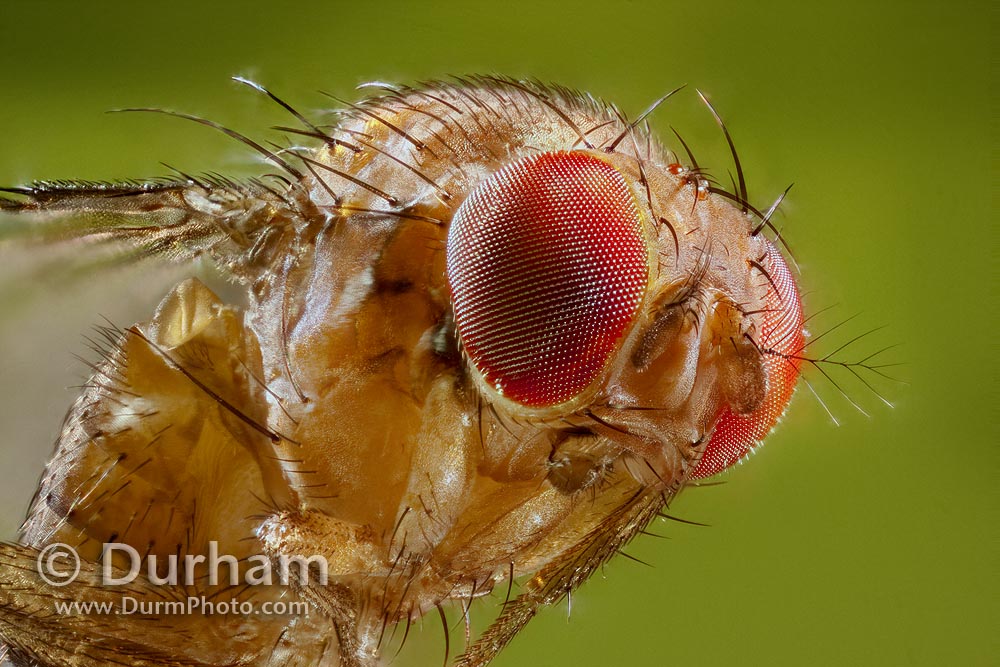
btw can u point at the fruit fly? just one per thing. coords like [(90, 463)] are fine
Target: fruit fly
[(492, 328)]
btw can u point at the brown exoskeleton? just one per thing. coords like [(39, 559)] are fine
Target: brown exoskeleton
[(492, 329)]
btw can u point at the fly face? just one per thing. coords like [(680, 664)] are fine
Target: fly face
[(574, 299), (492, 329)]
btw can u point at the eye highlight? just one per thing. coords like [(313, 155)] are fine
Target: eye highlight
[(548, 265)]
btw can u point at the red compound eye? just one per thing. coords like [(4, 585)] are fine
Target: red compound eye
[(548, 264), (735, 435)]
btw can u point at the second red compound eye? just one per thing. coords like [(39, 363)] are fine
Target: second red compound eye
[(781, 341), (548, 265)]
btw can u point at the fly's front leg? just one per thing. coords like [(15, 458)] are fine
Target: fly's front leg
[(564, 573)]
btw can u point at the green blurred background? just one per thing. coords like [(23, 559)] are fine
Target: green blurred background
[(871, 543)]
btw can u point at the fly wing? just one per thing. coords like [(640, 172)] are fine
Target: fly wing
[(38, 633), (40, 636), (235, 223)]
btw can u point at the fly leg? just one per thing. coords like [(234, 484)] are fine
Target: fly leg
[(565, 573)]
